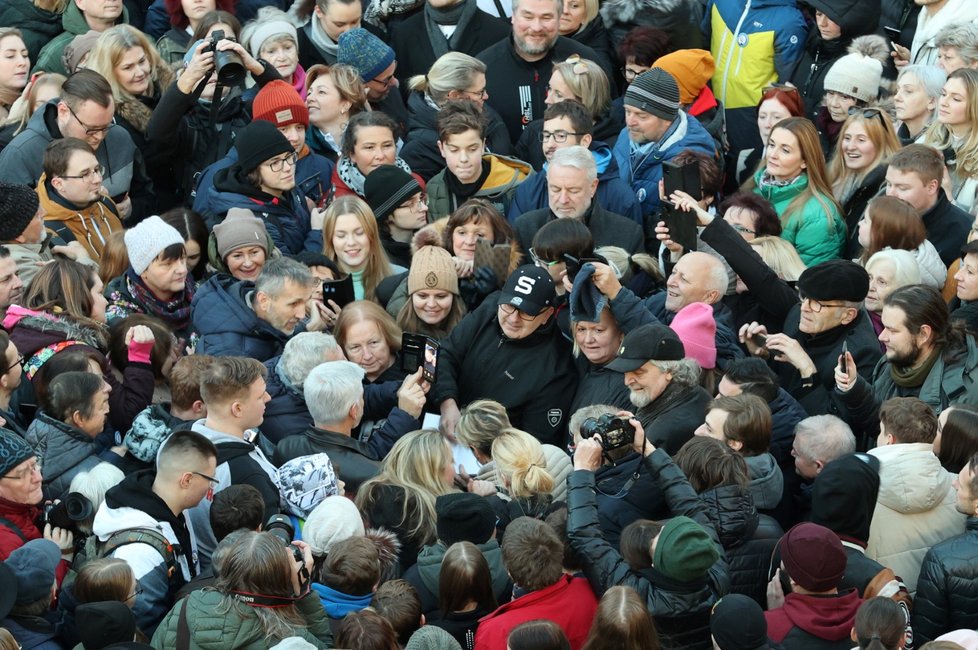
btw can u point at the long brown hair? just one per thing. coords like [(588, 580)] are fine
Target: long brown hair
[(622, 622), (378, 266), (409, 321), (104, 579), (879, 130), (464, 579), (63, 287), (894, 224)]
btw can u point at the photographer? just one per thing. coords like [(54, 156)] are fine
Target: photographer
[(262, 597), (677, 568)]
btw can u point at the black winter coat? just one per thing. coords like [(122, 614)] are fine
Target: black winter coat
[(354, 462), (746, 536), (622, 500), (596, 36), (947, 589), (607, 229), (853, 208), (901, 14), (681, 610), (947, 228)]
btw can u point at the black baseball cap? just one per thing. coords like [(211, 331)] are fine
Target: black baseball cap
[(530, 289), (651, 342)]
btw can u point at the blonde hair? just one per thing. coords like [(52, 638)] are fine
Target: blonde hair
[(452, 72), (781, 256), (589, 84), (940, 137), (480, 423), (366, 310), (415, 465), (349, 86), (520, 462), (378, 266), (109, 50), (23, 108), (880, 131)]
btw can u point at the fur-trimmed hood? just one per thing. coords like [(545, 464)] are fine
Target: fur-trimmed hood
[(389, 550), (32, 330), (628, 11), (138, 110)]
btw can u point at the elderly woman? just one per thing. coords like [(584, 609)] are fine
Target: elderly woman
[(273, 38), (239, 246), (919, 88), (888, 269)]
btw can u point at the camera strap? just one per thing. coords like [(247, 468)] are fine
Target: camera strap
[(263, 600)]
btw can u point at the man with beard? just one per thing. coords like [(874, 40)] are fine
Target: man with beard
[(664, 385), (926, 357), (518, 69)]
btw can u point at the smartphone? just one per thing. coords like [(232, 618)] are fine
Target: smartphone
[(574, 264), (685, 178), (339, 291), (681, 225), (894, 35), (419, 351), (842, 357), (760, 340)]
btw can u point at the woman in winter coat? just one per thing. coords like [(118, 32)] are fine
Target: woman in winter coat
[(335, 94), (889, 222), (368, 142), (522, 468), (918, 90), (581, 21), (888, 269), (261, 597), (273, 38), (857, 170), (956, 134), (595, 345), (794, 180), (64, 310)]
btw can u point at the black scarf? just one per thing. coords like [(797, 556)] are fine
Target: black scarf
[(459, 14), (462, 192)]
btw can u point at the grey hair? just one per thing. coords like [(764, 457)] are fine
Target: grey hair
[(718, 277), (685, 372), (963, 37), (331, 389), (824, 438), (578, 157), (452, 71), (559, 3), (305, 351), (280, 270), (906, 270), (930, 77), (94, 483)]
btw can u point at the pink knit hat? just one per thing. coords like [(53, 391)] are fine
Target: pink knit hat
[(696, 328)]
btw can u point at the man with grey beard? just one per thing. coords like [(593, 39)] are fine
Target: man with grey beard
[(663, 384)]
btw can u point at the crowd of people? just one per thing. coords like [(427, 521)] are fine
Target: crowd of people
[(489, 325)]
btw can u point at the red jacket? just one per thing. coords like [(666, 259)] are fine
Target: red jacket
[(806, 621), (23, 516), (569, 603)]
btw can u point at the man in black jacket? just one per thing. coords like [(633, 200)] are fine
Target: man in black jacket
[(947, 590), (334, 394), (572, 182), (519, 67)]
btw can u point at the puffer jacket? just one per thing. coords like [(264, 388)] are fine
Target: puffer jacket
[(505, 175), (599, 385), (748, 538), (933, 273), (681, 610), (947, 590), (229, 326), (62, 450), (915, 509), (212, 628), (424, 575)]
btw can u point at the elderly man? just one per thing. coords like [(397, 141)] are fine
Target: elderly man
[(255, 319), (807, 351), (663, 384), (656, 131), (336, 400), (819, 440), (518, 69), (511, 350), (572, 181), (80, 16)]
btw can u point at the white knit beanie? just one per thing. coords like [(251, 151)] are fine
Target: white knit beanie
[(147, 239), (856, 75), (336, 518)]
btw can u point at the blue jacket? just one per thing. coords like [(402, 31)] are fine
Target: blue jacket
[(286, 219), (645, 173), (614, 194), (229, 326)]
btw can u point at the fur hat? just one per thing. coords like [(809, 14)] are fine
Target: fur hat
[(432, 269), (388, 550), (147, 239), (697, 329)]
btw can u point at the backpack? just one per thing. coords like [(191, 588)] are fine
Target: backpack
[(94, 549)]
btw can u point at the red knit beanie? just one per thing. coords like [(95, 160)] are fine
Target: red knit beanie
[(278, 102)]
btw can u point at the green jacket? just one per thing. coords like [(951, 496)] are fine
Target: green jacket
[(74, 24), (505, 175), (213, 629), (817, 231)]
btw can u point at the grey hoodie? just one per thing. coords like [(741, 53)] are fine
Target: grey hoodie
[(766, 481)]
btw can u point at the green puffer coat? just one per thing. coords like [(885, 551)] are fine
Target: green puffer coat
[(817, 230), (238, 629)]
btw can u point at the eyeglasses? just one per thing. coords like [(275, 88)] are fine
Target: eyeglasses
[(817, 306), (509, 310), (24, 473), (138, 591), (90, 175), (868, 112), (213, 481), (579, 66), (418, 205), (743, 229), (539, 261), (91, 130), (19, 362), (631, 73), (279, 163), (387, 81), (559, 137), (477, 94)]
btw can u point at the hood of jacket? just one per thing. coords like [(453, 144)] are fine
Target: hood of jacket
[(732, 511), (73, 20), (766, 480), (60, 446), (213, 629), (628, 11), (430, 559), (855, 17), (933, 273), (32, 330), (338, 604), (422, 116), (505, 173), (826, 617), (98, 218), (912, 479), (221, 305), (603, 160)]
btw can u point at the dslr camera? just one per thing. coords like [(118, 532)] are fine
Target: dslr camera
[(228, 66), (74, 508), (615, 432), (281, 527)]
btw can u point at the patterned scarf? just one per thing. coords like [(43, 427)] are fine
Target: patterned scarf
[(175, 313), (350, 174)]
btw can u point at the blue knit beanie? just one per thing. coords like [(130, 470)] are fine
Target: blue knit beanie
[(14, 450), (365, 52)]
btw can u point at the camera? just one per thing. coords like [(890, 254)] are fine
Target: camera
[(75, 507), (615, 432), (574, 264), (228, 65), (281, 527)]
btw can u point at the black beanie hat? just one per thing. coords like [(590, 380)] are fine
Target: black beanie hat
[(738, 623), (844, 495), (258, 142), (464, 517), (834, 280), (104, 623), (18, 205), (387, 187)]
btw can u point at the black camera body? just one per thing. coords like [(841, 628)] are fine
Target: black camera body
[(228, 66), (281, 527), (75, 507), (615, 432)]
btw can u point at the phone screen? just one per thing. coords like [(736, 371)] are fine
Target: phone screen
[(429, 366)]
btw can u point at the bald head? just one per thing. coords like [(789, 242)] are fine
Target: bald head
[(697, 277)]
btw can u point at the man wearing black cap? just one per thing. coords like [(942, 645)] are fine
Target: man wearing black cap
[(808, 349), (926, 357), (663, 384), (510, 350), (400, 207), (656, 130)]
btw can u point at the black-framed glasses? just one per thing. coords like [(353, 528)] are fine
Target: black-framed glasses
[(630, 73), (279, 163), (19, 362), (817, 306), (98, 170), (386, 81), (509, 310), (138, 591), (560, 137), (213, 481), (91, 130)]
